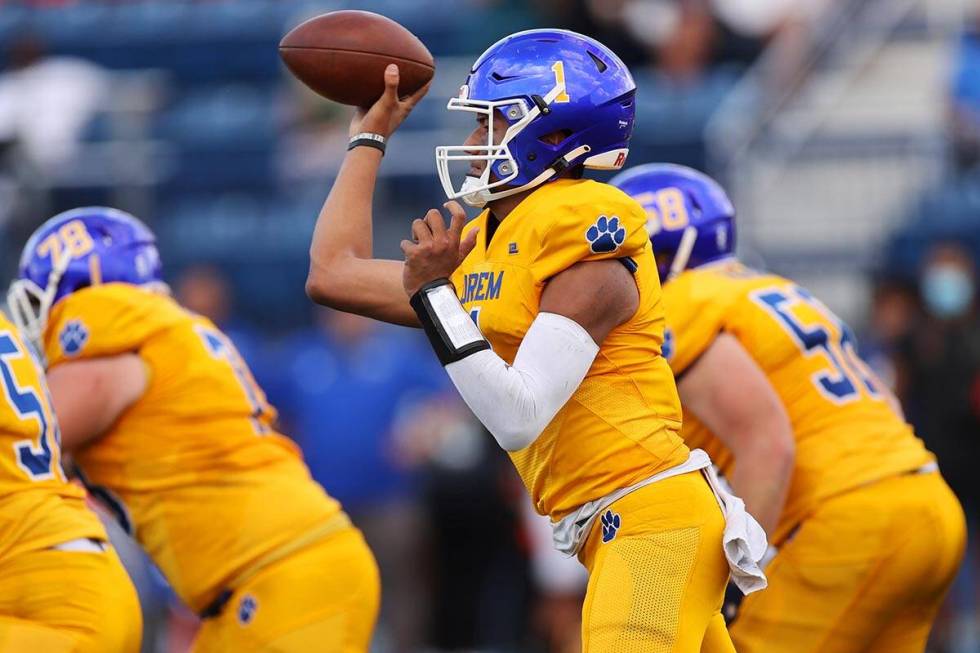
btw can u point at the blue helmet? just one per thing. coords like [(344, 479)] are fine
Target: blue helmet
[(76, 249), (691, 220), (543, 82)]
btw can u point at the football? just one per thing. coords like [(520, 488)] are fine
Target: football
[(342, 56)]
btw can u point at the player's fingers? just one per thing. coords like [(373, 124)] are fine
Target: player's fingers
[(421, 231), (458, 217), (408, 247), (468, 243), (434, 219), (391, 84)]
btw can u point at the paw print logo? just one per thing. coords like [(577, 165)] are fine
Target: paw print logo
[(606, 235), (246, 609), (73, 337), (610, 524)]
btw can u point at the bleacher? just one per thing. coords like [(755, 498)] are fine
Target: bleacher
[(196, 136)]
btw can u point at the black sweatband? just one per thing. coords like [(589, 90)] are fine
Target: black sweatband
[(367, 139), (452, 332)]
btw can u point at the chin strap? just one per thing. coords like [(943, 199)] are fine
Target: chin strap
[(558, 167), (684, 250)]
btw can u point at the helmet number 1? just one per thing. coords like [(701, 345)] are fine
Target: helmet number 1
[(559, 69), (72, 238)]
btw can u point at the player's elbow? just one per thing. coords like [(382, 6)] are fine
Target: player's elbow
[(322, 286), (780, 446)]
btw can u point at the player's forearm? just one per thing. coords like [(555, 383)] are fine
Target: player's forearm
[(761, 478), (343, 274), (344, 224)]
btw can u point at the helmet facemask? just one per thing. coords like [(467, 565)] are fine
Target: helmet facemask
[(29, 305), (477, 191)]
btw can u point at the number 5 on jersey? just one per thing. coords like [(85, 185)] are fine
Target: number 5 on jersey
[(35, 458)]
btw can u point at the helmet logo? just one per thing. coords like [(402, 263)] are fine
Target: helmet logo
[(559, 69), (721, 237), (73, 337), (605, 235)]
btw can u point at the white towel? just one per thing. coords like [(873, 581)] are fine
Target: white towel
[(744, 539)]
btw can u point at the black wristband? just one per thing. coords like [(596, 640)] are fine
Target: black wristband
[(450, 330), (367, 139)]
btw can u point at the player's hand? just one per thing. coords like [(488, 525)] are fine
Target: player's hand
[(389, 111), (435, 251)]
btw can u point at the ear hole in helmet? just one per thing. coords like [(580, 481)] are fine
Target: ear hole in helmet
[(599, 63), (556, 137)]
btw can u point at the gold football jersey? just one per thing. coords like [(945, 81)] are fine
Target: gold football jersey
[(845, 430), (621, 424), (38, 508), (195, 468)]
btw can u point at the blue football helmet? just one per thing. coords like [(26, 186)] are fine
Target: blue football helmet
[(74, 250), (542, 81), (690, 220)]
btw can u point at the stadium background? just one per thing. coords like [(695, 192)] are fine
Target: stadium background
[(848, 132)]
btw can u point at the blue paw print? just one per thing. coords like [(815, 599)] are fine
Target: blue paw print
[(246, 609), (668, 347), (73, 337), (606, 235), (610, 524)]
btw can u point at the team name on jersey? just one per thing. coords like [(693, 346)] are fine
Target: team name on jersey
[(480, 286)]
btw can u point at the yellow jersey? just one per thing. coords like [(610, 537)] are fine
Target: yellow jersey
[(195, 468), (38, 507), (621, 424), (845, 430)]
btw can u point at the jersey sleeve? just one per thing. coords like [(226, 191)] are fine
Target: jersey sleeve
[(602, 223), (105, 321), (696, 308)]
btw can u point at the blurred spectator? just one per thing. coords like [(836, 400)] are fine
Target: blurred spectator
[(560, 583), (938, 368), (47, 101), (204, 289), (894, 305), (342, 388), (965, 100)]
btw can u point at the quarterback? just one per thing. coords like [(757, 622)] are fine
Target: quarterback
[(546, 313), (869, 536), (170, 429), (62, 588)]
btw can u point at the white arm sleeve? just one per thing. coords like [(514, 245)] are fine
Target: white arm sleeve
[(516, 402)]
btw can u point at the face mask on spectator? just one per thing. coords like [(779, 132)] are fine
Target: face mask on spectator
[(947, 290)]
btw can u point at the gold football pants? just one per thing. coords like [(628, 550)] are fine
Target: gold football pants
[(657, 582), (55, 601), (322, 598), (865, 573)]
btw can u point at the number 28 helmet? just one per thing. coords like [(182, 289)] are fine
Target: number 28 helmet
[(543, 82), (691, 219), (74, 250)]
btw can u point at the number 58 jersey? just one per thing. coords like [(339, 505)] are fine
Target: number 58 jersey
[(38, 507), (846, 432), (194, 468)]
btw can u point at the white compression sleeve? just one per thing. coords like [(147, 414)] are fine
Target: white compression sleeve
[(516, 402)]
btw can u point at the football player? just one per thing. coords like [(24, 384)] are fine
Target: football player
[(168, 426), (546, 313), (869, 536), (62, 587)]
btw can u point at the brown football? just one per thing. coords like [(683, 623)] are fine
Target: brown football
[(342, 56)]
